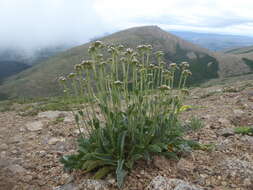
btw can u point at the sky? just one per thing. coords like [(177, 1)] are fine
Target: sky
[(37, 23)]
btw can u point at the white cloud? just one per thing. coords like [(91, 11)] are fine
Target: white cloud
[(228, 16), (35, 23)]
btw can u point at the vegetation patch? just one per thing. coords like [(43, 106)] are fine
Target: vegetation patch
[(5, 106), (203, 67), (195, 124), (248, 62), (244, 130), (132, 112)]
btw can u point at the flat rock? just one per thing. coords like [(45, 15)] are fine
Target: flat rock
[(69, 119), (238, 112), (3, 146), (16, 139), (185, 166), (90, 184), (163, 183), (226, 132), (161, 162), (52, 114), (224, 122), (86, 184), (69, 186), (55, 140), (4, 162), (16, 169), (240, 168), (34, 126)]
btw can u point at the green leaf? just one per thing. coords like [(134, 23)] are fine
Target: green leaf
[(92, 164), (121, 143), (102, 172), (154, 148), (81, 113), (77, 118), (120, 173)]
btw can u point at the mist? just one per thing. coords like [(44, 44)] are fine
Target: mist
[(33, 24)]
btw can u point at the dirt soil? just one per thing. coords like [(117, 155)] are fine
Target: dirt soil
[(31, 146)]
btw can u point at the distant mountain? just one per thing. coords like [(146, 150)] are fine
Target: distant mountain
[(215, 42), (41, 79)]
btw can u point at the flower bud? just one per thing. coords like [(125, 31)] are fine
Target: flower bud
[(118, 83), (135, 61), (98, 44), (164, 87), (78, 67), (185, 91), (71, 75), (62, 79)]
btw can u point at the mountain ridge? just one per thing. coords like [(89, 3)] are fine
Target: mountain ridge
[(41, 79)]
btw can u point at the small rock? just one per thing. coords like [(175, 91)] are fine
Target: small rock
[(54, 140), (60, 146), (247, 182), (248, 140), (226, 132), (224, 122), (184, 166), (76, 131), (161, 162), (69, 119), (27, 178), (207, 117), (51, 114), (163, 183), (241, 169), (3, 146), (89, 184), (4, 162), (69, 186), (223, 145), (16, 139), (16, 169), (3, 154), (238, 113), (111, 181), (34, 126)]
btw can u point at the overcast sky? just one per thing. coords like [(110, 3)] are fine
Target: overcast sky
[(35, 23)]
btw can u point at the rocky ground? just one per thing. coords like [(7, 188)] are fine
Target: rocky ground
[(30, 148)]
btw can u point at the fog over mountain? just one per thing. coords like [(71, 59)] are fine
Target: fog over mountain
[(29, 24)]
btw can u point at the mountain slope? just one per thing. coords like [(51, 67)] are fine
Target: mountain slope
[(8, 68), (215, 42), (245, 53), (41, 80)]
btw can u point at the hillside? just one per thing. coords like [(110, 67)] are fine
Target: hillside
[(41, 79), (8, 68), (215, 42), (245, 53)]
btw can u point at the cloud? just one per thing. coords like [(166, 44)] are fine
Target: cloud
[(210, 22), (223, 16), (37, 23)]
